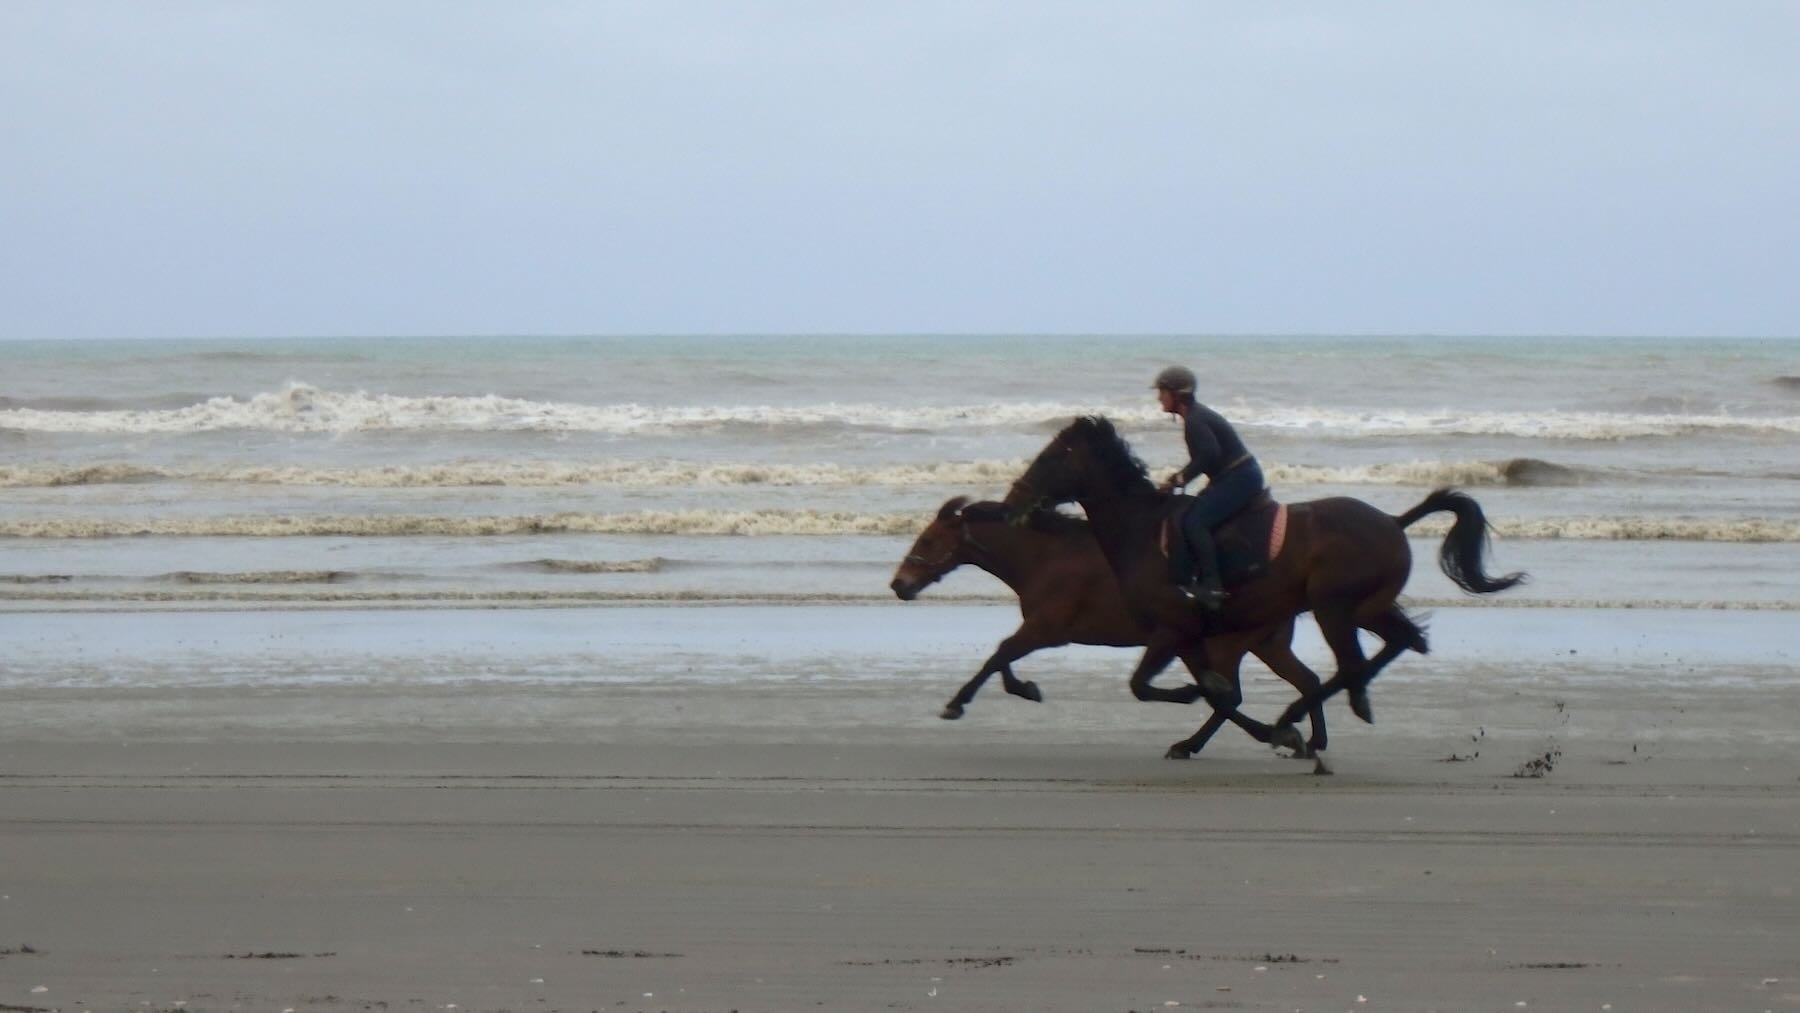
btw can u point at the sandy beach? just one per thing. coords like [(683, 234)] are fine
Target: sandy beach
[(742, 847)]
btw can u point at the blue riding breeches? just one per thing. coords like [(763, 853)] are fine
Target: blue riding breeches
[(1231, 491)]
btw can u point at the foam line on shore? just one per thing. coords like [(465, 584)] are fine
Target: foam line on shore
[(793, 522)]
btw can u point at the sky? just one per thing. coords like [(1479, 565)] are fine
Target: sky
[(426, 167)]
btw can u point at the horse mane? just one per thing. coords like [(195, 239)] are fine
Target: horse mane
[(1122, 466), (952, 507)]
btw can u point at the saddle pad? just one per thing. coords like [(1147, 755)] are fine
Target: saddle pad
[(1247, 542)]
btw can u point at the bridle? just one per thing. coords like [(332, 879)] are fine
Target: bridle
[(914, 559), (965, 537)]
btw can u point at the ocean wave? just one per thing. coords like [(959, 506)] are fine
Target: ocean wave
[(792, 522), (259, 577), (52, 475), (225, 598), (1518, 472), (1542, 425), (528, 474), (302, 408), (1522, 471), (585, 566), (674, 522)]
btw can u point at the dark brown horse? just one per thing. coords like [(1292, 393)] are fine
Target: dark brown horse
[(1068, 595), (1343, 560)]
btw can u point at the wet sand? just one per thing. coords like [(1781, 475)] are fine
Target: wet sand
[(957, 873), (752, 809)]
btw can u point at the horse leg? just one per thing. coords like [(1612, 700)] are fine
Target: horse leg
[(1193, 744), (1277, 652), (1157, 655), (1008, 651), (1225, 700), (1338, 626), (1398, 634)]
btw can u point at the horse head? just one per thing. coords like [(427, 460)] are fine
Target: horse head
[(934, 553), (1086, 455)]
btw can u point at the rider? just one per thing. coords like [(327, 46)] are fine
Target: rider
[(1233, 480)]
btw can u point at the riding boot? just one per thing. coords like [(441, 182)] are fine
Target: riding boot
[(1203, 584)]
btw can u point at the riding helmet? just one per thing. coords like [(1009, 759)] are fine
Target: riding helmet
[(1179, 379)]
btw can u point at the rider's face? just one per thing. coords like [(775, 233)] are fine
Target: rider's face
[(1169, 401)]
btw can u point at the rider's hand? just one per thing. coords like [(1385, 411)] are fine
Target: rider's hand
[(1171, 483)]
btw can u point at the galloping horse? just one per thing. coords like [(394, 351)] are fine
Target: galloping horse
[(1068, 595), (1343, 559)]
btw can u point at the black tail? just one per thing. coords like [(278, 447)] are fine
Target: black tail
[(1460, 555)]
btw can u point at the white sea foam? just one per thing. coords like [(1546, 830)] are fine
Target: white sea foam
[(793, 522), (591, 566), (1553, 425), (674, 522), (530, 474), (251, 597), (687, 474), (259, 577), (303, 408)]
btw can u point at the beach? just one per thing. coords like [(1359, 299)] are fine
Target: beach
[(517, 674), (504, 508), (1517, 834), (756, 877)]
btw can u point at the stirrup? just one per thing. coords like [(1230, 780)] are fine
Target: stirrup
[(1210, 599)]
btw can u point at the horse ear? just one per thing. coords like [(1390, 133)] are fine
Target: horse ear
[(952, 508)]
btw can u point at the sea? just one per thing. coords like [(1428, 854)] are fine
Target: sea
[(626, 511)]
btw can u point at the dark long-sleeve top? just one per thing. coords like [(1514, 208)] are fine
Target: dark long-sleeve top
[(1212, 444)]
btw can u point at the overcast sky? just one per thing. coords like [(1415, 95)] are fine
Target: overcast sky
[(365, 168)]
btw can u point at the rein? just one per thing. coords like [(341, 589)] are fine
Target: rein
[(1030, 506)]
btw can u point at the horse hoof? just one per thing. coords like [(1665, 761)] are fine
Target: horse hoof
[(1287, 737), (1319, 768), (1030, 692), (1359, 706), (952, 712), (1177, 752)]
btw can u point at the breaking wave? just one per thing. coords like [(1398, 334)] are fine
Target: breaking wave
[(583, 566), (260, 577), (529, 474), (261, 599), (674, 522), (301, 408), (790, 522), (1522, 471)]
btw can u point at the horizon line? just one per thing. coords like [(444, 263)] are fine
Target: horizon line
[(570, 335)]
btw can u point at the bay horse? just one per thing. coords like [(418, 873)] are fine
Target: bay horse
[(1343, 559), (1068, 595)]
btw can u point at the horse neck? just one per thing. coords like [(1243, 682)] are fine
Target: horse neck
[(1124, 522), (1004, 551)]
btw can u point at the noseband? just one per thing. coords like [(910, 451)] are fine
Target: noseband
[(914, 559)]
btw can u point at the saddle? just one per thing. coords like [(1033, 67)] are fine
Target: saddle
[(1247, 542)]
